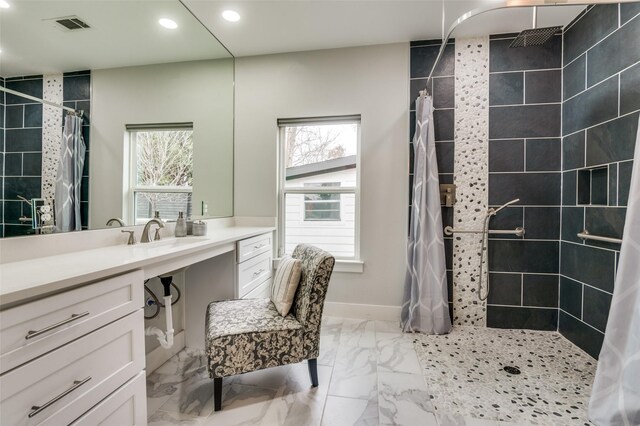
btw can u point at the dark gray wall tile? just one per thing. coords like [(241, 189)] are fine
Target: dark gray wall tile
[(76, 88), (569, 188), (572, 223), (32, 164), (508, 218), (23, 140), (528, 121), (525, 318), (506, 155), (540, 290), (544, 155), (574, 77), (597, 104), (506, 88), (628, 11), (543, 86), (504, 58), (600, 186), (27, 187), (505, 289), (613, 184), (612, 141), (580, 334), (28, 87), (614, 53), (13, 164), (624, 182), (415, 86), (523, 256), (14, 116), (573, 147), (542, 223), (588, 265), (538, 189), (443, 92), (33, 115), (571, 296), (422, 59), (605, 221), (444, 154), (630, 90), (444, 124), (596, 308), (591, 28), (584, 186)]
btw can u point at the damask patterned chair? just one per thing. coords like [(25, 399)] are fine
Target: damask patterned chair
[(246, 335)]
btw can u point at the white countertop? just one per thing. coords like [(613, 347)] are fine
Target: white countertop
[(29, 279)]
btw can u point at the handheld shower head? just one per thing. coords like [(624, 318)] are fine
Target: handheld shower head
[(493, 212)]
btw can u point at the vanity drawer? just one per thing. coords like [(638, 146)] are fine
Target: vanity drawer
[(69, 381), (125, 407), (262, 291), (252, 247), (35, 328), (253, 272)]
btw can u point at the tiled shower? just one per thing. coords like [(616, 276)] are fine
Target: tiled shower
[(562, 121), (27, 171)]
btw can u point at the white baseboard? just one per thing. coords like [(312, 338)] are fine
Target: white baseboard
[(160, 355), (359, 311)]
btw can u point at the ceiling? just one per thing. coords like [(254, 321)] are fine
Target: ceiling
[(277, 26), (122, 33)]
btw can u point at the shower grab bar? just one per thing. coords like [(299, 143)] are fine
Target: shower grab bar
[(519, 231), (585, 235)]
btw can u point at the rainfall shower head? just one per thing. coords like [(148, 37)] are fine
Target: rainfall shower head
[(535, 36)]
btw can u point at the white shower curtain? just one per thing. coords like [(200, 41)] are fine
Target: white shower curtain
[(615, 398), (69, 177), (425, 308)]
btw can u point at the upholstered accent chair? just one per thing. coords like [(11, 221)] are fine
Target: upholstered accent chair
[(246, 335)]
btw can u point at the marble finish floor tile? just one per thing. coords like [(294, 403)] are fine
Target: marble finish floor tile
[(404, 400), (464, 373), (355, 373), (340, 411), (396, 353)]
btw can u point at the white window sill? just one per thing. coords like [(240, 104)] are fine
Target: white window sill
[(347, 266)]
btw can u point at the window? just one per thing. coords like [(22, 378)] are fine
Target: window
[(319, 178), (161, 171), (322, 206)]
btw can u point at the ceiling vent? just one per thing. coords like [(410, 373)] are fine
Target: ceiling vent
[(69, 23)]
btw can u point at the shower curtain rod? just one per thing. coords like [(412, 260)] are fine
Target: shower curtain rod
[(508, 4), (42, 101)]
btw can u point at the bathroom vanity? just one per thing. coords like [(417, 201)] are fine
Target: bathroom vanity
[(72, 325)]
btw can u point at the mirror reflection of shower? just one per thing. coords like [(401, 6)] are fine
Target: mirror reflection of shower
[(484, 252)]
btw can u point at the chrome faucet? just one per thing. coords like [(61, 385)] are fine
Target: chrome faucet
[(117, 220), (145, 232)]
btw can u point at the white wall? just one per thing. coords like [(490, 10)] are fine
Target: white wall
[(371, 81), (200, 92)]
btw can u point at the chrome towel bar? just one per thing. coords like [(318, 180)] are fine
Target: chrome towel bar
[(585, 235), (519, 231)]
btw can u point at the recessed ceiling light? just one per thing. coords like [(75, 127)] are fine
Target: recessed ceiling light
[(4, 4), (231, 15), (167, 23)]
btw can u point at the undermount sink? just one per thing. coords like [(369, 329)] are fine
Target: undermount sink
[(173, 242), (172, 273)]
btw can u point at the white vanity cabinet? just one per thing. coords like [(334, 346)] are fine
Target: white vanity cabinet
[(254, 268), (64, 356)]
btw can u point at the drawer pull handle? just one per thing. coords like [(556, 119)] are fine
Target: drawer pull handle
[(256, 247), (76, 384), (256, 273), (31, 334)]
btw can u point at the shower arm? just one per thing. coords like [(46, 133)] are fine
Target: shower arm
[(508, 4)]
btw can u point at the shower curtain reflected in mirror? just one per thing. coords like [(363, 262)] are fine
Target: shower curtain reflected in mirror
[(69, 176), (615, 399), (425, 307)]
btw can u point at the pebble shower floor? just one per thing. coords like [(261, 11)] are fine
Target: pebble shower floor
[(464, 373)]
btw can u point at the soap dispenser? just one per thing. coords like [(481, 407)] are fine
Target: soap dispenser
[(181, 226)]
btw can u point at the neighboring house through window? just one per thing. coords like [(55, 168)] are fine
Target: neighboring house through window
[(319, 181), (160, 171)]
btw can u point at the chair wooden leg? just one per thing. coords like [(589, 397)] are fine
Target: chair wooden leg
[(313, 371), (217, 393)]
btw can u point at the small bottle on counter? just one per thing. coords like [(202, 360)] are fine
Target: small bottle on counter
[(181, 226)]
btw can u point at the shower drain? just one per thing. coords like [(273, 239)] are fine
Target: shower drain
[(511, 370)]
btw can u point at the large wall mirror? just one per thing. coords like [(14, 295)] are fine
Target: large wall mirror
[(146, 124)]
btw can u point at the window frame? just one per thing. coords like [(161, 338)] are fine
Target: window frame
[(283, 191), (129, 205)]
